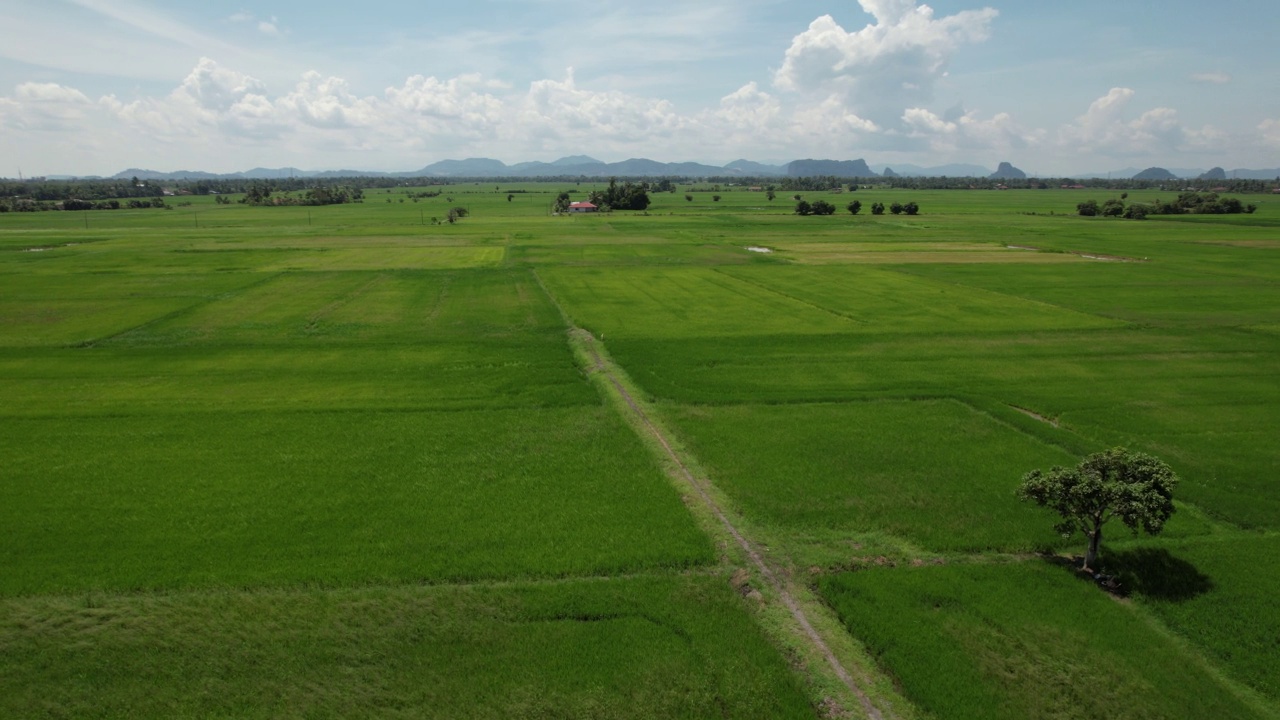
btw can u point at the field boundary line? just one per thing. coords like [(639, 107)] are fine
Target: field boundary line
[(179, 312), (775, 582), (802, 301)]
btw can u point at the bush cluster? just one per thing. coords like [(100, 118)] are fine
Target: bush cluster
[(822, 207), (1191, 203)]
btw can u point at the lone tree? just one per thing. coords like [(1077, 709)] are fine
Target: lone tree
[(1133, 486)]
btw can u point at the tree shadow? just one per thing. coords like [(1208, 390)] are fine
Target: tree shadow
[(1154, 573), (1150, 572)]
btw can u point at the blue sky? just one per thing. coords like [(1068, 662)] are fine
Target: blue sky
[(95, 86)]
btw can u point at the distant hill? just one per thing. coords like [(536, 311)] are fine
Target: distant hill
[(273, 174), (755, 169), (1007, 171), (153, 175), (576, 160), (586, 166), (1242, 174), (471, 167), (1155, 173), (957, 170), (833, 168)]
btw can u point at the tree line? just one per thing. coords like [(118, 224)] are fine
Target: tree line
[(29, 205), (261, 194), (1191, 203), (822, 207)]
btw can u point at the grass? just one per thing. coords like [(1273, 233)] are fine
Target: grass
[(255, 458), (625, 648), (1026, 640), (232, 499), (936, 473), (1188, 584)]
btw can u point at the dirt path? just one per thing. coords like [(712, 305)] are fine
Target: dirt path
[(775, 582)]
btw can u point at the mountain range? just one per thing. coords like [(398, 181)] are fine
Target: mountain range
[(585, 166)]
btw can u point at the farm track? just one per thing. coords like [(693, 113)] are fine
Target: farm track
[(749, 548), (809, 635)]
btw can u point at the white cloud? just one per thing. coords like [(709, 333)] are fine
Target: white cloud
[(326, 103), (1212, 78), (1270, 131), (269, 27), (242, 17), (557, 112), (46, 107), (210, 97), (1104, 130), (885, 67), (967, 131)]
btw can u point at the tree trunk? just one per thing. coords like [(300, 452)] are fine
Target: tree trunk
[(1091, 556)]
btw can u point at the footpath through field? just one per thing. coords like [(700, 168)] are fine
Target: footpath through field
[(586, 344)]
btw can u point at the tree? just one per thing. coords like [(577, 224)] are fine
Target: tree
[(562, 203), (896, 208), (1113, 208), (877, 208), (804, 208), (688, 198), (911, 208), (822, 207), (1133, 486), (1088, 208), (855, 207), (715, 198), (627, 196), (770, 195)]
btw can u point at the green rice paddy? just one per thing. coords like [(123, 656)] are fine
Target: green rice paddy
[(342, 461)]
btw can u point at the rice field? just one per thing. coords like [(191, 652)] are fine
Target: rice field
[(325, 462)]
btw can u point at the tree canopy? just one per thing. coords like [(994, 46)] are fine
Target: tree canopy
[(1116, 483), (627, 196)]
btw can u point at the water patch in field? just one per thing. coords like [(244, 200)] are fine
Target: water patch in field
[(765, 250)]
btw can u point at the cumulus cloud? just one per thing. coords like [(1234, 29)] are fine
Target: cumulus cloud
[(966, 130), (210, 97), (746, 113), (465, 99), (326, 103), (1105, 129), (886, 67), (45, 107), (557, 110)]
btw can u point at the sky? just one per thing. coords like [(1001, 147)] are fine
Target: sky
[(93, 87)]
